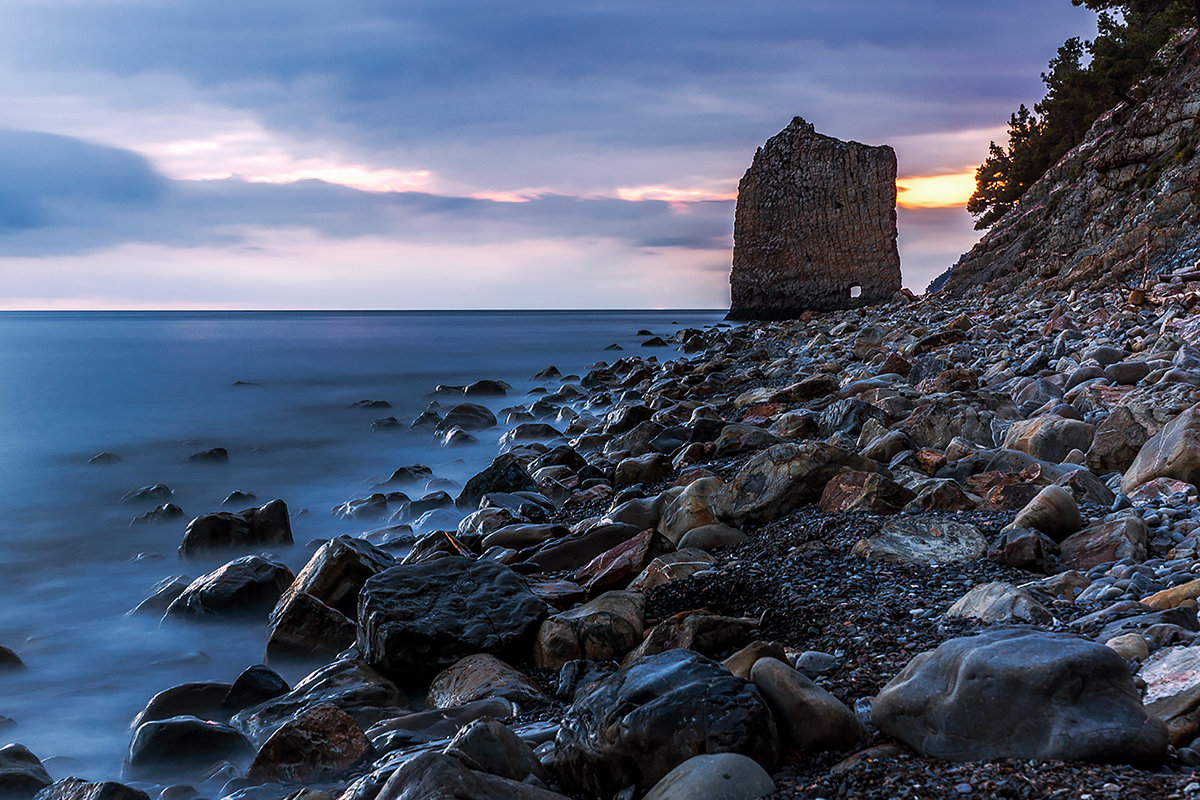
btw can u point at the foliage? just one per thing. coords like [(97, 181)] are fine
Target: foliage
[(1084, 80)]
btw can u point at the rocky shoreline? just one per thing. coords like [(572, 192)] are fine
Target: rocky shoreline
[(937, 548)]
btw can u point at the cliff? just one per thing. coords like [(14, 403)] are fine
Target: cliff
[(1122, 202)]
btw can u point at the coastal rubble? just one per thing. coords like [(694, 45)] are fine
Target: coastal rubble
[(821, 525)]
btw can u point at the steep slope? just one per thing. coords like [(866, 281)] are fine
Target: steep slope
[(1123, 202)]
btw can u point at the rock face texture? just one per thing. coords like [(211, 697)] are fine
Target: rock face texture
[(1130, 186), (815, 220)]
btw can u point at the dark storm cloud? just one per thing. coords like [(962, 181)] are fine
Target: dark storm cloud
[(59, 195), (450, 82), (48, 180)]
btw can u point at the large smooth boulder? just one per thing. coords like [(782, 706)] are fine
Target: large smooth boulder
[(1046, 695), (492, 747), (415, 620), (1173, 452), (810, 719), (315, 616), (201, 699), (604, 629), (317, 745), (246, 586), (1124, 535), (695, 507), (437, 776), (721, 776), (22, 774), (1049, 437), (638, 724), (254, 527), (1053, 511), (504, 474), (784, 477), (923, 540), (468, 416), (183, 747), (999, 602), (79, 789), (576, 550)]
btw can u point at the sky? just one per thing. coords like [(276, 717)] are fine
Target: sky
[(451, 154)]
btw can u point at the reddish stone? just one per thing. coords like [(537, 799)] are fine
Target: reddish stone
[(316, 745), (864, 491)]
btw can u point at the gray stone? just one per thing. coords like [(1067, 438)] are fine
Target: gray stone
[(923, 540), (721, 776), (810, 719), (254, 527), (247, 586), (1048, 696), (21, 773), (999, 602)]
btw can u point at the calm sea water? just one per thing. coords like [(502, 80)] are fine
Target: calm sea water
[(153, 388)]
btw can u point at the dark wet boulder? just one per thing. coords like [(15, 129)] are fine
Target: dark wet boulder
[(1048, 696), (254, 527), (315, 616), (9, 660), (315, 746), (256, 684), (164, 513), (239, 499), (371, 404), (156, 493), (162, 595), (487, 388), (198, 699), (386, 424), (105, 457), (468, 416), (638, 724), (414, 620), (79, 789), (482, 677), (404, 476), (571, 552), (504, 474), (216, 455), (21, 773), (721, 776), (492, 747), (183, 746), (437, 776), (246, 586), (810, 719), (350, 684)]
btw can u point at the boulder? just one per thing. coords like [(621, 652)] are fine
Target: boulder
[(1173, 452), (247, 586), (492, 747), (480, 677), (604, 629), (183, 746), (1049, 437), (710, 537), (649, 468), (22, 774), (415, 620), (1053, 511), (743, 660), (810, 719), (505, 474), (671, 567), (254, 527), (574, 551), (864, 491), (201, 699), (468, 417), (256, 684), (1048, 695), (9, 660), (315, 616), (923, 540), (695, 507), (615, 568), (350, 684), (1117, 440), (317, 745), (721, 776), (784, 477), (435, 725), (1025, 549), (638, 724), (437, 776), (999, 602), (711, 634), (1126, 536)]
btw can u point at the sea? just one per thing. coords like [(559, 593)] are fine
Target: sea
[(278, 391)]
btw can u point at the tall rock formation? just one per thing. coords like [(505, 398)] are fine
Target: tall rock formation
[(1126, 199), (815, 227)]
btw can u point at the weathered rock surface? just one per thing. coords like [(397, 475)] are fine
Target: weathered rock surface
[(815, 217), (316, 745), (254, 527), (436, 776), (1050, 696), (923, 540), (78, 789), (601, 630), (643, 721), (482, 676), (183, 746), (415, 620), (246, 586)]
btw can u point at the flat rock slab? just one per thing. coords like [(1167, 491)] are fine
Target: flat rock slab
[(923, 540), (415, 620), (1046, 696)]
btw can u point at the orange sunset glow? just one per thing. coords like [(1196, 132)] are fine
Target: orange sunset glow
[(935, 191)]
